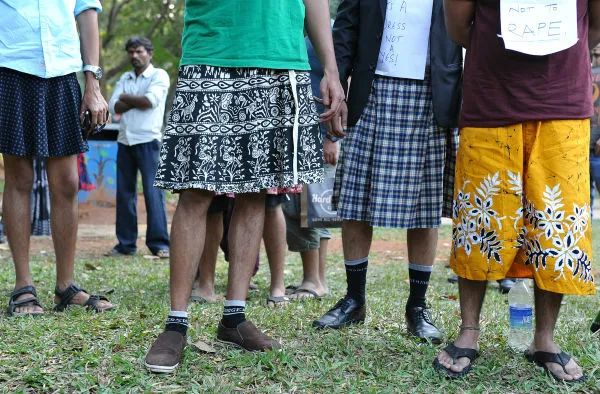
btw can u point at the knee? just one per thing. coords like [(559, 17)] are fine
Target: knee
[(21, 184), (194, 201), (65, 188)]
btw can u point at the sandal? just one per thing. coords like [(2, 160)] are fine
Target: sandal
[(456, 352), (13, 303), (67, 295), (276, 301), (303, 294), (562, 359), (198, 299), (290, 289)]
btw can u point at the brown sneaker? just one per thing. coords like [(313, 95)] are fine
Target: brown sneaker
[(246, 336), (165, 353)]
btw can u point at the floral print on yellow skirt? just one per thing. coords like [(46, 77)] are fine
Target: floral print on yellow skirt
[(522, 205)]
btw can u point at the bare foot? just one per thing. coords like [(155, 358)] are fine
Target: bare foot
[(466, 339)]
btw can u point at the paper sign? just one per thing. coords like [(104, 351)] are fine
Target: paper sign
[(538, 27), (403, 51)]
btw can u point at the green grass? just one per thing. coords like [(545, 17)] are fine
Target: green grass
[(81, 352)]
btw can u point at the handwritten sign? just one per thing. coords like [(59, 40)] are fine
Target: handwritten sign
[(538, 27), (405, 41)]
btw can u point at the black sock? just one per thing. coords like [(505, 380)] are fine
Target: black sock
[(419, 280), (356, 277), (234, 313), (177, 321)]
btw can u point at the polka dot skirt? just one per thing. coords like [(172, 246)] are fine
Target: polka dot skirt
[(39, 116)]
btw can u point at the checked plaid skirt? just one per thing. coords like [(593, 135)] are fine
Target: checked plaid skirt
[(396, 168)]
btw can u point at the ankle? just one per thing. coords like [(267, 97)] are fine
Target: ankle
[(360, 300), (234, 313), (177, 321)]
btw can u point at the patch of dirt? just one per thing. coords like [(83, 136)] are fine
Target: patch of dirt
[(96, 233)]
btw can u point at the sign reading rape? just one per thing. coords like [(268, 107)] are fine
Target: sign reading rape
[(538, 27)]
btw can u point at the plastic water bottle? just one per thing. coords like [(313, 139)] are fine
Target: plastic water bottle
[(520, 305)]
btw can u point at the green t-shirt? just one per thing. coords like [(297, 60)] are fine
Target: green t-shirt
[(245, 33)]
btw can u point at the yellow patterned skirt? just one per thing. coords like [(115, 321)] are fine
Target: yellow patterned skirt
[(522, 205)]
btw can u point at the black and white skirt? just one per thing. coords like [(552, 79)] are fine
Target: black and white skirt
[(240, 130)]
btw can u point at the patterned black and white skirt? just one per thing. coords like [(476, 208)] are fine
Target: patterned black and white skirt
[(240, 130), (39, 116)]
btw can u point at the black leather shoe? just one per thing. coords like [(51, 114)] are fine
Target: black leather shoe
[(419, 324), (347, 311)]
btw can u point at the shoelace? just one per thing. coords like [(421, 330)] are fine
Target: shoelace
[(342, 303), (426, 316)]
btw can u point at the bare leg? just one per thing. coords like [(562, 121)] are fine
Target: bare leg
[(275, 245), (63, 179), (310, 278), (187, 243), (356, 239), (16, 211), (313, 267), (204, 285), (472, 293), (63, 182), (323, 264), (422, 244), (547, 306), (245, 233)]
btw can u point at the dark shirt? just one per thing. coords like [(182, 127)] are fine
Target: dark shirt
[(595, 120), (316, 74), (503, 87)]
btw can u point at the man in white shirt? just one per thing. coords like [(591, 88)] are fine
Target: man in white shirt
[(140, 97)]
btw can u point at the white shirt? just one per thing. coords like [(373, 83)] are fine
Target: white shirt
[(404, 49), (39, 37), (138, 126)]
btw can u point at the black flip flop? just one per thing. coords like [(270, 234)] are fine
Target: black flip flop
[(276, 301), (456, 352), (290, 289), (562, 359), (312, 294)]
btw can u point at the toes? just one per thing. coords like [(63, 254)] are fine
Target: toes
[(573, 370), (461, 364), (445, 359)]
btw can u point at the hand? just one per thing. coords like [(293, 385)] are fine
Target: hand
[(95, 103), (597, 148), (330, 151), (333, 96), (338, 125)]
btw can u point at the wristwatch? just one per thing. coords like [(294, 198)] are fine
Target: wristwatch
[(332, 138), (95, 70)]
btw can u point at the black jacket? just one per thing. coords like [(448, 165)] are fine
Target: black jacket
[(357, 34)]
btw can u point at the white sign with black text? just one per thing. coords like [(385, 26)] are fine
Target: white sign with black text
[(538, 27), (405, 41)]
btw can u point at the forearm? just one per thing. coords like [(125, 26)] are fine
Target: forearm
[(594, 28), (121, 107), (459, 16), (318, 26), (140, 102), (87, 22)]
